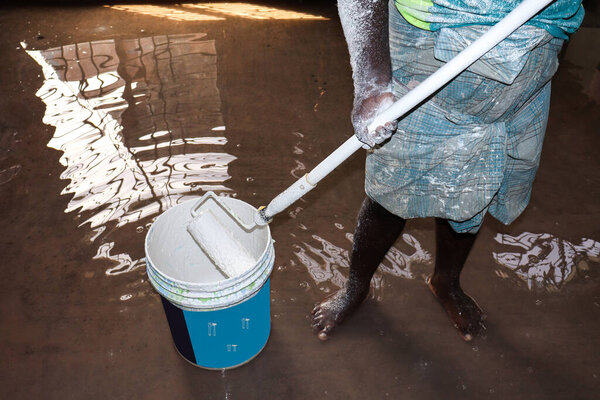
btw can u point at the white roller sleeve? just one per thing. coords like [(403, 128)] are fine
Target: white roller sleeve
[(229, 255), (521, 14)]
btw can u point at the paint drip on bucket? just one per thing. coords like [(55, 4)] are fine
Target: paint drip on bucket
[(217, 320)]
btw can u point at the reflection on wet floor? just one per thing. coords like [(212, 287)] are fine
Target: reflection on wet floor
[(548, 262), (215, 12), (140, 128), (252, 11), (171, 13), (327, 264)]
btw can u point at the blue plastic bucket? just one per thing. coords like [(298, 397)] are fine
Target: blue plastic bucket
[(215, 322)]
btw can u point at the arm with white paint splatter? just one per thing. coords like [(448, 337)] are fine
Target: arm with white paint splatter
[(365, 24)]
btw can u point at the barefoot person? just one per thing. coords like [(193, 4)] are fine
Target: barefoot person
[(472, 148)]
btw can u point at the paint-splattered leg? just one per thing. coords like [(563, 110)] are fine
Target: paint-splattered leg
[(452, 251), (376, 231)]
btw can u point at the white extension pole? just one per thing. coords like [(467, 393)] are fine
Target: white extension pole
[(521, 14)]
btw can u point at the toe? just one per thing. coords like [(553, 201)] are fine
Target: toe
[(326, 332), (466, 332), (428, 282), (317, 323), (474, 327)]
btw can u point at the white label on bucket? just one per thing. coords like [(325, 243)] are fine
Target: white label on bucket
[(232, 348), (245, 323), (212, 329)]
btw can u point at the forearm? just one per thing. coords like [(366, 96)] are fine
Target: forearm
[(365, 24)]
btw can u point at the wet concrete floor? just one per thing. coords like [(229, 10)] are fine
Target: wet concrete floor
[(109, 116)]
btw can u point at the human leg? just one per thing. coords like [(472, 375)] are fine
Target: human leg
[(376, 231), (452, 250)]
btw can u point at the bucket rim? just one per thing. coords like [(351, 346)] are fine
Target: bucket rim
[(200, 290), (263, 277), (222, 283), (215, 293)]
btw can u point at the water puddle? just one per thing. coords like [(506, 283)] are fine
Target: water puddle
[(139, 125)]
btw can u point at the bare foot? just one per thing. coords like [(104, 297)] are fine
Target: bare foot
[(464, 313), (332, 311)]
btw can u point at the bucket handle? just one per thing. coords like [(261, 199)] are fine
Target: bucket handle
[(211, 196)]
